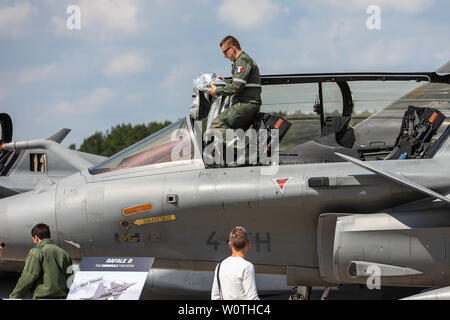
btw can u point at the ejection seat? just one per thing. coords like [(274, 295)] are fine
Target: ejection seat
[(418, 127)]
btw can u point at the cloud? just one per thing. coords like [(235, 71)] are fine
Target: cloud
[(36, 74), (13, 20), (125, 64), (109, 15), (181, 74), (177, 84), (404, 6), (91, 104), (175, 77), (246, 13), (384, 53), (58, 25), (443, 54)]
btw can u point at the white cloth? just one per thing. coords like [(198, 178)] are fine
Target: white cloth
[(200, 87), (237, 280)]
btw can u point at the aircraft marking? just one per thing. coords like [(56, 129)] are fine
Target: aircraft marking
[(127, 238), (280, 184), (125, 224), (137, 209), (258, 240), (140, 222), (214, 243)]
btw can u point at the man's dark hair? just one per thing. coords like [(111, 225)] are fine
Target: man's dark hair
[(41, 230), (238, 238), (230, 41)]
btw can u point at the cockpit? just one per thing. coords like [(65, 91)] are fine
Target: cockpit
[(160, 147), (363, 115)]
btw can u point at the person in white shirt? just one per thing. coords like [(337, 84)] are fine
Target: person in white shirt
[(234, 278)]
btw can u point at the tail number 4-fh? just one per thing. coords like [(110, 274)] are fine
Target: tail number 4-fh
[(261, 240)]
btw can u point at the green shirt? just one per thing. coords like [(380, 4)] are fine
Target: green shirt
[(45, 273), (245, 86)]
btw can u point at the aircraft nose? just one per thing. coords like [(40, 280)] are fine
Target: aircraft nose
[(18, 215)]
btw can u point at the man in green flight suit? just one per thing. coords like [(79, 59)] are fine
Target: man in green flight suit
[(45, 272), (244, 89)]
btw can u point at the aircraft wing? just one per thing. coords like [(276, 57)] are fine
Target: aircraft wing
[(12, 185), (6, 192), (394, 177)]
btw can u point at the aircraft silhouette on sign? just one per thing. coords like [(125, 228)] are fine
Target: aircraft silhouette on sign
[(115, 290)]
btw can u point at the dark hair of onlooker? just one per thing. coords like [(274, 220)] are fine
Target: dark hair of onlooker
[(41, 230)]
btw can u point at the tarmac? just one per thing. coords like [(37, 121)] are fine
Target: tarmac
[(8, 281)]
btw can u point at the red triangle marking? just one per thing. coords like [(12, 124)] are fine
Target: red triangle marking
[(281, 183)]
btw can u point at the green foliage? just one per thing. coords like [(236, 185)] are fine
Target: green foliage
[(279, 113), (119, 137)]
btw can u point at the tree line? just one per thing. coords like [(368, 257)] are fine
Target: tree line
[(118, 138)]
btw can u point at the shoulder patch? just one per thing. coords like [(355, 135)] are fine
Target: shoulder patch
[(239, 69)]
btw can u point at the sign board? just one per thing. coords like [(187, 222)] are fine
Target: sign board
[(110, 278)]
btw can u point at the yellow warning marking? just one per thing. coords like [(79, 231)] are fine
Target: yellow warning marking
[(140, 222), (134, 210)]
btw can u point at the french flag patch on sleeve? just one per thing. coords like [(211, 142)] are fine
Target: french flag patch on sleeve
[(239, 69)]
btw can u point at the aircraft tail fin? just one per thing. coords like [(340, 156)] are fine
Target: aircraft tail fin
[(444, 69), (60, 135)]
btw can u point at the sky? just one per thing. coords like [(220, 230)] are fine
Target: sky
[(89, 65)]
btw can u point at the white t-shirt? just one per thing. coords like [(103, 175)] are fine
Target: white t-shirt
[(237, 280)]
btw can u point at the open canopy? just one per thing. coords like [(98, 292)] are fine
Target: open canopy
[(367, 108)]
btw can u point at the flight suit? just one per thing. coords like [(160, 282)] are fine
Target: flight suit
[(45, 273), (245, 91)]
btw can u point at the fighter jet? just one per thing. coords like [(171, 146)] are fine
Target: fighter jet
[(343, 207), (44, 164)]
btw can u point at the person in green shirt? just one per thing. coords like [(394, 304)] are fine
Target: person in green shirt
[(244, 89), (45, 272)]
